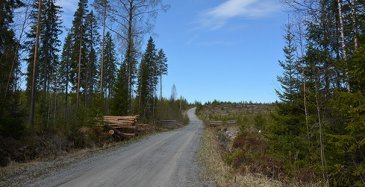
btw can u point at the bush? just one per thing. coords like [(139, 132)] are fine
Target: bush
[(12, 127)]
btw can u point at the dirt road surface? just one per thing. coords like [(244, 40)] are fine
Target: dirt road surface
[(165, 159)]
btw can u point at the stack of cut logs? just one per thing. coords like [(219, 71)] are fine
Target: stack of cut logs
[(215, 123), (219, 123), (169, 124), (121, 126)]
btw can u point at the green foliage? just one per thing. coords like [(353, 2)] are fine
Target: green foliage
[(56, 112), (110, 66), (172, 110), (120, 101), (11, 115), (357, 70), (321, 121), (147, 82), (12, 127), (289, 80)]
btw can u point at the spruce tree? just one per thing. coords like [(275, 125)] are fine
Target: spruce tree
[(110, 71), (289, 131), (288, 80), (89, 66), (120, 102), (65, 71), (48, 59), (147, 81)]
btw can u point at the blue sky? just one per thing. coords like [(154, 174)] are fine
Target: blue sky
[(218, 49)]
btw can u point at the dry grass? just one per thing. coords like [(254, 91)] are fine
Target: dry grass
[(216, 170)]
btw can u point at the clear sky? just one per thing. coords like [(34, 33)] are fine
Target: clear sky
[(218, 49)]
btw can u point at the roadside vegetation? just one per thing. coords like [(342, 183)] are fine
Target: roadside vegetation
[(315, 132), (243, 153), (217, 161), (317, 128)]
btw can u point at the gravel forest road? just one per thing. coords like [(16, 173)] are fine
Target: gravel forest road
[(165, 159)]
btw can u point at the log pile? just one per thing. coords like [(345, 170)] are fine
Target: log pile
[(231, 122), (219, 123), (215, 123), (121, 126), (169, 124)]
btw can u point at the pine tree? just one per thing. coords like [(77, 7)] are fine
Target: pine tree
[(162, 67), (102, 7), (79, 53)]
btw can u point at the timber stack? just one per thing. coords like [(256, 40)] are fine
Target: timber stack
[(169, 124), (215, 123), (123, 127)]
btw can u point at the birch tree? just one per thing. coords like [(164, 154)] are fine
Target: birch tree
[(134, 19)]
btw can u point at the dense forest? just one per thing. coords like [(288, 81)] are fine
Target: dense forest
[(54, 82), (319, 123)]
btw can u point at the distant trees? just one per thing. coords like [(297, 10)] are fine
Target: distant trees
[(322, 95)]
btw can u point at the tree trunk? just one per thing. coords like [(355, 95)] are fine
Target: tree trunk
[(102, 52), (354, 23), (323, 158), (161, 86), (343, 43), (130, 50), (66, 94), (304, 79), (33, 88), (55, 108), (305, 104), (79, 72), (16, 51)]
